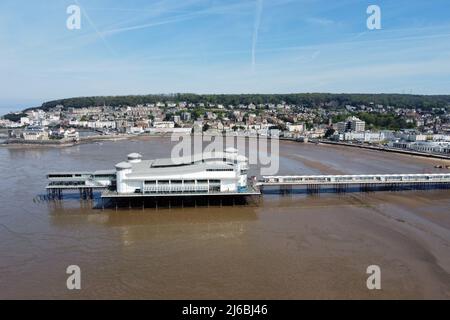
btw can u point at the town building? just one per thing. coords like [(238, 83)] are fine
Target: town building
[(356, 124), (34, 134)]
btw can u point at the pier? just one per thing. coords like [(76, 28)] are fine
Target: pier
[(364, 183), (217, 179), (86, 183)]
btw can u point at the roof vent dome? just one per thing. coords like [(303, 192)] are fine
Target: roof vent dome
[(134, 157), (231, 150), (123, 166)]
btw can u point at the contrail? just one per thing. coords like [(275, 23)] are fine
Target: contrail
[(259, 8), (153, 24), (100, 35), (174, 19)]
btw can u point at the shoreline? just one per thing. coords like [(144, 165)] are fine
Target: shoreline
[(390, 150), (100, 138), (83, 140)]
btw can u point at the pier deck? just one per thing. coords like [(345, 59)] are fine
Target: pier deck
[(87, 183), (355, 179), (112, 194), (341, 183)]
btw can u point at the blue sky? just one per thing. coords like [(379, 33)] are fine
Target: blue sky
[(220, 46)]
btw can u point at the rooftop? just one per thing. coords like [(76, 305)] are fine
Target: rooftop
[(181, 165), (146, 167)]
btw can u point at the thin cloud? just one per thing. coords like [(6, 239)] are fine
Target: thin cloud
[(323, 22), (315, 54)]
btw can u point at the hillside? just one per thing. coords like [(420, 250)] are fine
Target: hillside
[(306, 99)]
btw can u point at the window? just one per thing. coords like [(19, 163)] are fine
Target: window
[(163, 182), (202, 181), (104, 176), (176, 181), (60, 176), (189, 181), (150, 182)]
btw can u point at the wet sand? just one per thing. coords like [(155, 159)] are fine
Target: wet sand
[(283, 247)]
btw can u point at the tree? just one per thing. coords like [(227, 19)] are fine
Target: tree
[(329, 132), (305, 99), (15, 117)]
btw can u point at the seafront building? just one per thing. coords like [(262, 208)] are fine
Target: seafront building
[(35, 134), (356, 124), (431, 147), (352, 124), (205, 173)]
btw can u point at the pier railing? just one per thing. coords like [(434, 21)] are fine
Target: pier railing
[(379, 179)]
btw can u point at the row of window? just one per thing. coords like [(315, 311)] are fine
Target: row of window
[(105, 176), (179, 182), (193, 162), (62, 183), (53, 176), (60, 176)]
